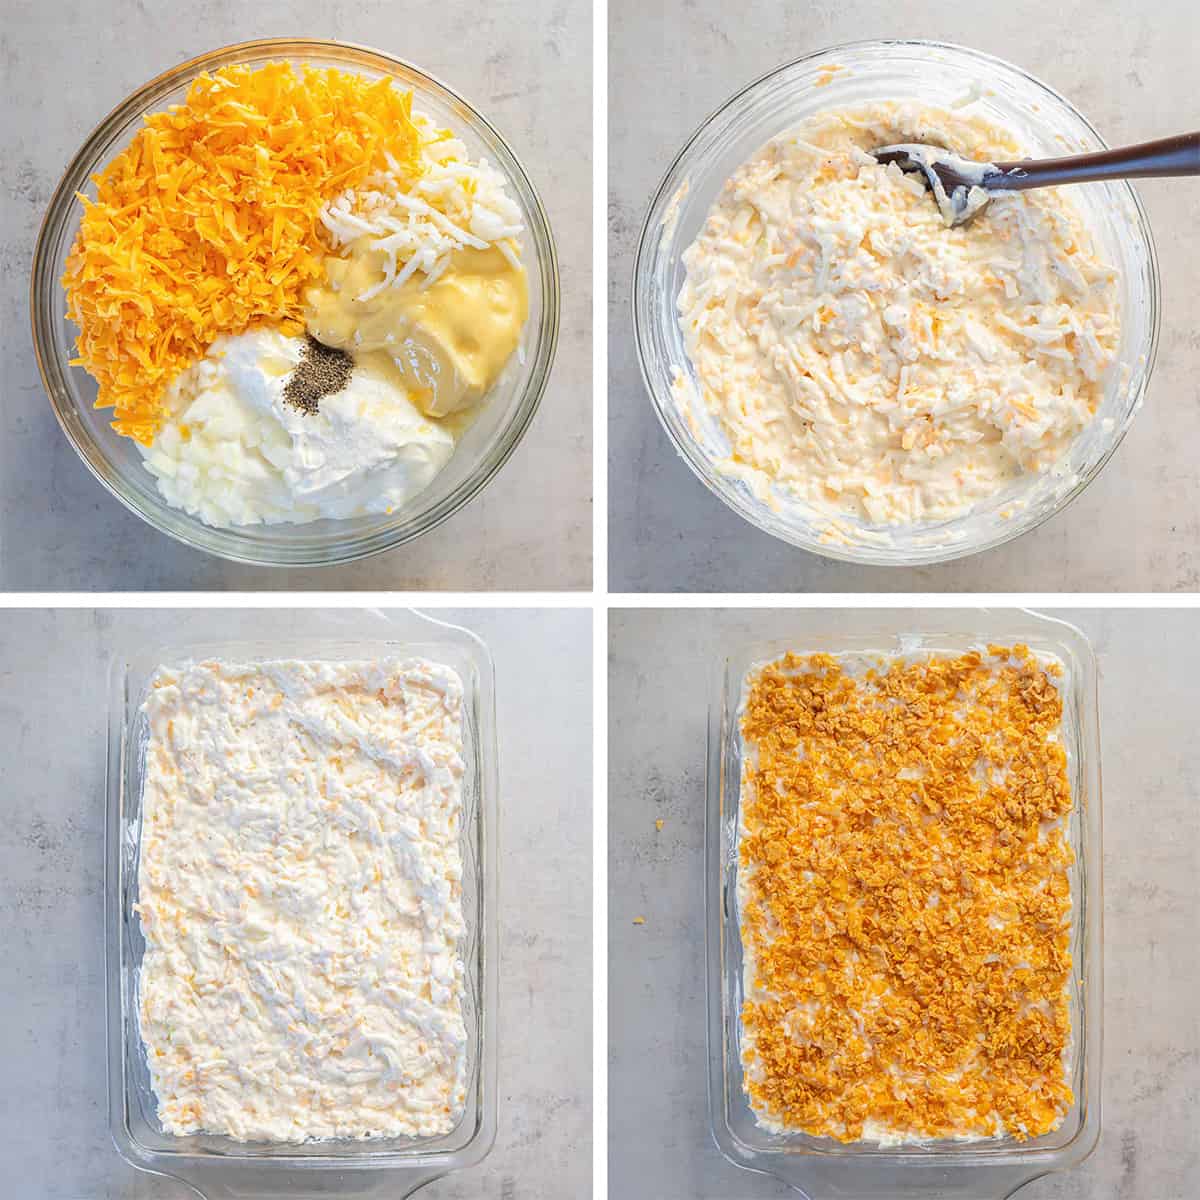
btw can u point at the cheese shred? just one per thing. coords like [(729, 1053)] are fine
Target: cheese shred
[(208, 221)]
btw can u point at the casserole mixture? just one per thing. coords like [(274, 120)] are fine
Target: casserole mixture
[(904, 896), (300, 893), (863, 359)]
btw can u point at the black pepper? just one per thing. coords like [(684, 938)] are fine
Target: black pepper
[(322, 371)]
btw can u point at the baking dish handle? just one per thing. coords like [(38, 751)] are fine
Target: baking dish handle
[(867, 1181), (253, 1184)]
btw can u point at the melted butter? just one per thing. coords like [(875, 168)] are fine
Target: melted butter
[(448, 341)]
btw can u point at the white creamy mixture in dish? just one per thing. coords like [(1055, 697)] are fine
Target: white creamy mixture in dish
[(300, 892), (866, 360)]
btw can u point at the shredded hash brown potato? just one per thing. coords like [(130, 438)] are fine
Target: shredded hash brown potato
[(905, 897), (208, 221)]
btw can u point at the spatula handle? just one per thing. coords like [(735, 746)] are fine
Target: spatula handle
[(1179, 155)]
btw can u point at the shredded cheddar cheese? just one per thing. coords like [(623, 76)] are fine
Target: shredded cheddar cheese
[(208, 221), (905, 899)]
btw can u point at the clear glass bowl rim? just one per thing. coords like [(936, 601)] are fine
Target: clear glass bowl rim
[(659, 390), (976, 1165), (415, 632), (46, 295)]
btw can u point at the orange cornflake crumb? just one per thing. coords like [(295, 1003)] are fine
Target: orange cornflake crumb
[(658, 824), (207, 221), (639, 920), (905, 896)]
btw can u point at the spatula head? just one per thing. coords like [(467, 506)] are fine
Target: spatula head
[(957, 184)]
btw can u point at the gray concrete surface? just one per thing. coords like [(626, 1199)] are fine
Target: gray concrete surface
[(659, 1145), (1130, 67), (64, 64), (52, 1034)]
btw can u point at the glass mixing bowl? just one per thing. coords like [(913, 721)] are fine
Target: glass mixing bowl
[(116, 461), (938, 74)]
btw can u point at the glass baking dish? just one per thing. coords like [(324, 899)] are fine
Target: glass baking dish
[(822, 1167), (219, 1166)]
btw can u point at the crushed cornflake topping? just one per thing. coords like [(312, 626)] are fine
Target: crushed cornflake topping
[(207, 221), (418, 224), (905, 898)]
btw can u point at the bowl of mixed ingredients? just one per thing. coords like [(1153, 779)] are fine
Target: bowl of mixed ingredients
[(295, 302), (844, 369)]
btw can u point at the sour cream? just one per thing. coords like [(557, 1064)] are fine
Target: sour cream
[(236, 451)]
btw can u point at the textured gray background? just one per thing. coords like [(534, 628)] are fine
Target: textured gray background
[(1130, 67), (527, 65), (660, 1147), (52, 745)]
